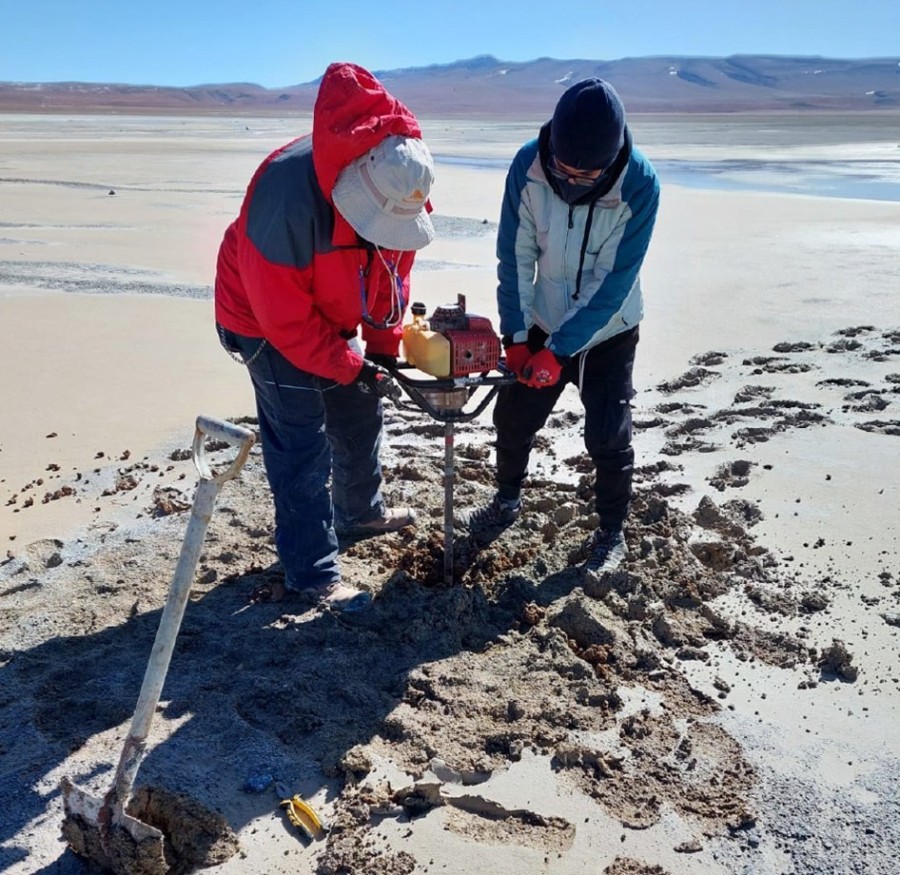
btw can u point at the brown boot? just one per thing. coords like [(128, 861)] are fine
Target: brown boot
[(393, 519), (337, 596)]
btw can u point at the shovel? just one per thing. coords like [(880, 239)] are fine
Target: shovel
[(100, 826)]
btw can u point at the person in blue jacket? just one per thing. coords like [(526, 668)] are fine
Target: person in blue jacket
[(577, 217)]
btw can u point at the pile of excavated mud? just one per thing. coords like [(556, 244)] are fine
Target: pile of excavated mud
[(450, 684)]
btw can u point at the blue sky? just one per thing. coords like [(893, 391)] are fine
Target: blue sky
[(284, 42)]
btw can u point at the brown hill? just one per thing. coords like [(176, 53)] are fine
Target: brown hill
[(485, 86)]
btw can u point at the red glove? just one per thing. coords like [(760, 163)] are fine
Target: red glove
[(517, 355), (543, 370)]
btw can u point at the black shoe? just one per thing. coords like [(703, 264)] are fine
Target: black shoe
[(607, 552), (499, 514)]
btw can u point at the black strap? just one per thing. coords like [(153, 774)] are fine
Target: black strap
[(584, 244)]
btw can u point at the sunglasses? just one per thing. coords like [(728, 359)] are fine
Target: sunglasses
[(577, 177)]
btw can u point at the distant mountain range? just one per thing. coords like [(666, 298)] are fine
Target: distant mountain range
[(486, 87)]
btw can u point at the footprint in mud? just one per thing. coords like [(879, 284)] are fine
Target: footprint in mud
[(744, 436), (679, 407), (787, 346), (651, 472), (689, 445), (843, 346), (481, 820), (881, 426), (694, 768), (730, 520), (628, 866), (689, 426), (866, 401), (848, 343), (762, 364), (753, 393), (46, 553), (564, 420), (710, 359), (786, 413), (855, 330), (842, 382), (647, 424), (581, 463), (694, 377), (427, 429)]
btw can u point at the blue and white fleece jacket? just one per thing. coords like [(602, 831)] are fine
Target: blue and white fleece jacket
[(573, 271)]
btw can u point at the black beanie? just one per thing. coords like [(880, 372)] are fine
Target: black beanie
[(588, 126)]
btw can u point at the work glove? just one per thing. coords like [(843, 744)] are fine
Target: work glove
[(375, 379), (542, 370), (388, 362), (517, 355)]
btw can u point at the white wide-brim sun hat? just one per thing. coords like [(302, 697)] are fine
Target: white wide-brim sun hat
[(383, 194)]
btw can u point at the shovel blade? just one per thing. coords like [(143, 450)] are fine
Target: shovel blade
[(104, 833)]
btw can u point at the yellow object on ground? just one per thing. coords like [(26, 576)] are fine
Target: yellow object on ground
[(301, 815)]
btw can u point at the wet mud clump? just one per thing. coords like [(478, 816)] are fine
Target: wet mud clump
[(193, 837), (555, 653), (837, 661)]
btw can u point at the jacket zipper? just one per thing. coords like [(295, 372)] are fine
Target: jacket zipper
[(571, 225), (583, 249)]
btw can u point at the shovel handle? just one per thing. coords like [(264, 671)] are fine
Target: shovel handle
[(170, 620), (218, 429)]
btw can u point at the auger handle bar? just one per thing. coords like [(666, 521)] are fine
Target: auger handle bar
[(414, 388)]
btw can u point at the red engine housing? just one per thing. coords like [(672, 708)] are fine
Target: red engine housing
[(474, 347)]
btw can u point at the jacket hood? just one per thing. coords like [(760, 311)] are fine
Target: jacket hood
[(353, 112)]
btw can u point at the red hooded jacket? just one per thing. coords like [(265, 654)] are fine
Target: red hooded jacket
[(290, 268)]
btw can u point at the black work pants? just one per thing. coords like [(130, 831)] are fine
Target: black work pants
[(604, 374)]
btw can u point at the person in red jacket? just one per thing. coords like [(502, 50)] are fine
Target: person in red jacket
[(317, 261)]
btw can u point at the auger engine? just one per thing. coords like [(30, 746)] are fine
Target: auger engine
[(449, 345)]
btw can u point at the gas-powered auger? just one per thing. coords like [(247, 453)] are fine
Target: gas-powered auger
[(459, 351)]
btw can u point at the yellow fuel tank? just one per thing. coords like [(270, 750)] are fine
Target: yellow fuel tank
[(425, 349)]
